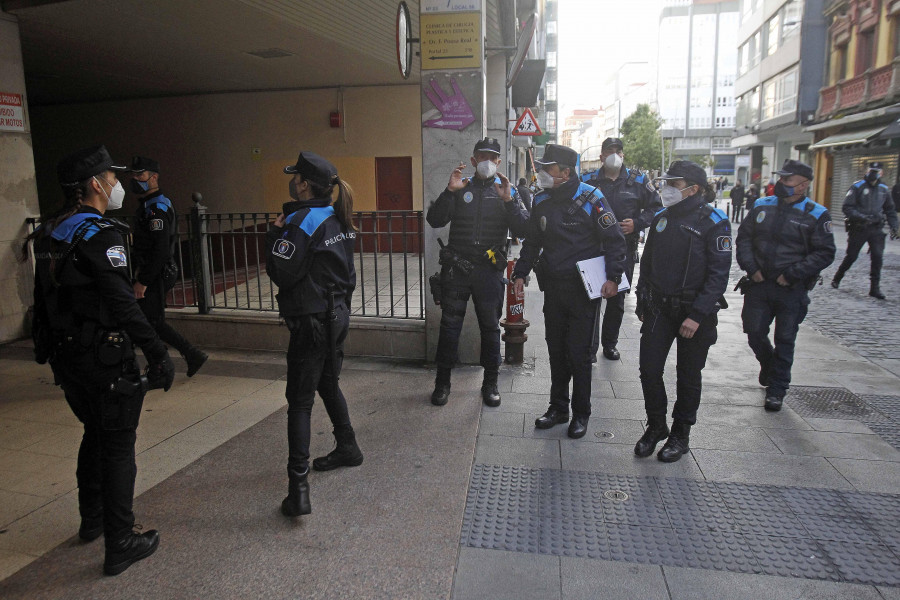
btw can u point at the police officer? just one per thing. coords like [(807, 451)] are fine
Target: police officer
[(684, 273), (570, 222), (867, 204), (481, 210), (310, 259), (634, 201), (155, 270), (783, 244), (86, 321)]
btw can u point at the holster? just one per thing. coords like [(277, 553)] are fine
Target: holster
[(120, 408), (743, 284), (434, 284)]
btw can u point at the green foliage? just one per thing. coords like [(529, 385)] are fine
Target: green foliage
[(640, 134)]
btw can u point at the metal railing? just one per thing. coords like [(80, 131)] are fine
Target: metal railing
[(222, 262)]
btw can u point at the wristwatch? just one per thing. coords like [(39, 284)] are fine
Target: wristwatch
[(617, 280)]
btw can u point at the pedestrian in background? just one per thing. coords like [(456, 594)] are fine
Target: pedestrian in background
[(737, 202), (525, 194)]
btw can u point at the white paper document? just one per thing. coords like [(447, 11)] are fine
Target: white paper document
[(593, 276)]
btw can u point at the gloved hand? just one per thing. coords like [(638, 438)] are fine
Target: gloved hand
[(895, 233), (160, 372)]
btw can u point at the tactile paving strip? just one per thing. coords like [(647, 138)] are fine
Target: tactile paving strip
[(788, 531), (829, 403)]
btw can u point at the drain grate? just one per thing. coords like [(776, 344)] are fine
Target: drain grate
[(616, 495), (604, 434), (829, 403)]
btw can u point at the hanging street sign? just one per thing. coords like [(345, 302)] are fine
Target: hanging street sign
[(527, 124)]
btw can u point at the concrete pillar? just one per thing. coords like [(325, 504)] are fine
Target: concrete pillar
[(443, 147), (18, 192)]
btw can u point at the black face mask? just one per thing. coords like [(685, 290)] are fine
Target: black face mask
[(783, 191), (872, 177), (292, 190), (138, 188)]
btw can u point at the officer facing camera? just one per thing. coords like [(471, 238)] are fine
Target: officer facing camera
[(86, 323)]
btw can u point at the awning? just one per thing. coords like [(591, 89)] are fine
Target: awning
[(848, 139), (892, 131)]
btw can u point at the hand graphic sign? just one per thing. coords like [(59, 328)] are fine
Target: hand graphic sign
[(455, 110)]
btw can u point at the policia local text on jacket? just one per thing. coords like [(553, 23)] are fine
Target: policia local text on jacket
[(86, 321), (684, 274), (310, 259), (569, 222), (783, 244)]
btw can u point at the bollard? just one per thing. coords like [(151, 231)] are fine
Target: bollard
[(514, 325)]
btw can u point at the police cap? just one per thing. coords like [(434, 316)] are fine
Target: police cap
[(611, 141), (84, 164), (314, 168), (876, 165), (795, 167), (488, 144), (139, 164), (687, 170), (555, 154)]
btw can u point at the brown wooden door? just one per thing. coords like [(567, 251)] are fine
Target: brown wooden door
[(393, 192)]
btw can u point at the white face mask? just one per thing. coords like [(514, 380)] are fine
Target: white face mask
[(613, 162), (115, 196), (486, 169), (670, 195), (545, 180)]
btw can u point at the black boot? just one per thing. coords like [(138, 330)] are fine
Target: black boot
[(297, 501), (490, 395), (552, 417), (578, 427), (345, 454), (875, 290), (656, 431), (91, 528), (677, 444), (195, 359), (836, 282), (441, 392), (127, 550)]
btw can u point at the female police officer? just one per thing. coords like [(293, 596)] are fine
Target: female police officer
[(311, 261), (85, 322), (684, 272)]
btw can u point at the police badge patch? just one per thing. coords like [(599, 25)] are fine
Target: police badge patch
[(606, 220), (827, 226), (761, 216), (723, 243), (661, 224), (284, 249), (156, 225), (467, 197), (116, 256), (543, 223)]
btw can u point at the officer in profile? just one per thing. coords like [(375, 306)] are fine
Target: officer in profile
[(155, 269), (634, 201), (310, 259), (684, 274), (868, 203), (481, 211), (783, 245), (86, 322), (570, 222)]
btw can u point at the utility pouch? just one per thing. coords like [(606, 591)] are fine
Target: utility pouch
[(743, 285), (496, 257), (170, 274), (434, 284), (111, 348)]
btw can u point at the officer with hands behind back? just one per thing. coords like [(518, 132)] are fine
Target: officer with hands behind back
[(310, 259), (783, 245), (634, 202), (569, 222), (684, 273), (867, 204), (481, 210), (86, 322)]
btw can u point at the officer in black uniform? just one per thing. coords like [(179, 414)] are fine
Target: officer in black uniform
[(783, 245), (481, 211), (684, 273), (634, 201), (155, 269), (310, 259), (867, 204), (570, 223), (86, 322)]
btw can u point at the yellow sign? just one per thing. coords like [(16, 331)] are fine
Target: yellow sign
[(450, 40)]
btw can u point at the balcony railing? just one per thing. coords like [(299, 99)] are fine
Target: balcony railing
[(872, 88)]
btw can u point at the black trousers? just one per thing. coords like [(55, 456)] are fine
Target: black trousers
[(658, 331), (570, 318), (607, 334), (309, 370), (787, 306), (153, 305), (856, 238), (106, 468), (485, 286)]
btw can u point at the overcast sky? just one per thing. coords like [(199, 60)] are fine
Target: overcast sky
[(621, 30)]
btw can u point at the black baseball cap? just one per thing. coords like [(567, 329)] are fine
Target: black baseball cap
[(876, 165), (687, 170), (555, 154), (139, 164), (488, 144), (611, 141), (795, 167), (314, 168), (84, 164)]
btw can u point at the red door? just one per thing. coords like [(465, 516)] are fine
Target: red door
[(393, 197)]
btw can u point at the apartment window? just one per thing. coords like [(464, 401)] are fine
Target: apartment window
[(748, 109), (791, 18), (773, 35), (779, 95), (865, 51), (720, 143), (723, 122), (551, 120), (551, 59)]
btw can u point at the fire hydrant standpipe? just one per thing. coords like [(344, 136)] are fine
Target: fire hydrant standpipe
[(514, 325)]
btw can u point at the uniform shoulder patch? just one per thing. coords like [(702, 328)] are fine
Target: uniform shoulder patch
[(156, 225), (284, 249), (606, 220), (724, 243), (117, 256), (827, 226)]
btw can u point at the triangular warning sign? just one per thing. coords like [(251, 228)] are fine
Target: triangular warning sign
[(527, 124)]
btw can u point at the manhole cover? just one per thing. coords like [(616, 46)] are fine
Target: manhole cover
[(604, 434), (615, 495)]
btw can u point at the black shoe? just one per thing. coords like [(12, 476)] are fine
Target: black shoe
[(195, 359), (875, 292), (441, 394), (552, 417), (764, 375), (773, 403), (578, 427), (610, 353), (677, 444), (490, 395), (297, 501), (345, 454), (125, 552), (91, 529), (835, 283), (654, 434)]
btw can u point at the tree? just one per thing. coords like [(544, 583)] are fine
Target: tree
[(640, 134)]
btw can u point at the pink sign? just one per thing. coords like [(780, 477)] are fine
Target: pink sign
[(12, 115), (455, 110)]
